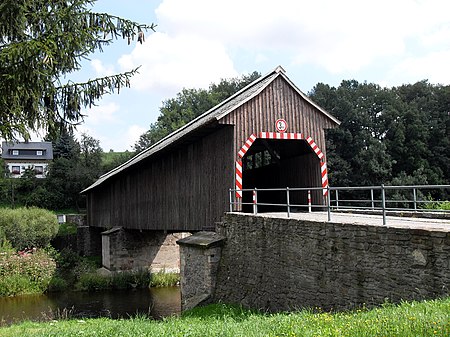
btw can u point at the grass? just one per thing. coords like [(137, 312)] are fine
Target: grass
[(427, 318), (164, 279)]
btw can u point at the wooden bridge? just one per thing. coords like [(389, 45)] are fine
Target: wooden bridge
[(269, 135)]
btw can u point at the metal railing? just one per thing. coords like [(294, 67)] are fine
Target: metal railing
[(378, 199)]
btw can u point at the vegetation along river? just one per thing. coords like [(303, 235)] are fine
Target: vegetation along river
[(154, 302)]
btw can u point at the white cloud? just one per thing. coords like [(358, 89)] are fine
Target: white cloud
[(132, 135), (104, 112), (428, 67), (102, 69), (339, 36), (170, 63)]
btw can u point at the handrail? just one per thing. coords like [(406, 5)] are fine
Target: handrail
[(381, 203)]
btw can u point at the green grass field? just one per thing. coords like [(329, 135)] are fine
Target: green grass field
[(428, 318)]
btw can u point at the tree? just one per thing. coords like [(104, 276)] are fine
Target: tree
[(75, 167), (189, 104), (356, 152), (41, 41), (399, 135)]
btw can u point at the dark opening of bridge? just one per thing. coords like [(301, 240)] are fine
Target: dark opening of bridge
[(279, 163)]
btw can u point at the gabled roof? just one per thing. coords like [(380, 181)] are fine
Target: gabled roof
[(214, 114), (45, 147)]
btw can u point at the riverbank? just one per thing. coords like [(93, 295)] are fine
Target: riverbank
[(427, 318)]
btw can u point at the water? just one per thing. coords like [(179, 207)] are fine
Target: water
[(154, 302)]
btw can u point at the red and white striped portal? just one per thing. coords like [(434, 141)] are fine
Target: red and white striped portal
[(286, 136)]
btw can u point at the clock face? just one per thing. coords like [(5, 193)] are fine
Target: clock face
[(281, 125)]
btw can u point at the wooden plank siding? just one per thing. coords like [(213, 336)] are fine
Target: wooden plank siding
[(186, 189), (277, 100)]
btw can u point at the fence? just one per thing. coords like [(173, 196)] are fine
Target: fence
[(378, 199)]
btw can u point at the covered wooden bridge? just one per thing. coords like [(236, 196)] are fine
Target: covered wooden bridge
[(269, 134)]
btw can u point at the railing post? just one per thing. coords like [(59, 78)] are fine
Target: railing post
[(415, 199), (329, 202), (231, 201), (255, 202), (383, 204), (288, 203), (371, 198), (337, 199), (309, 201)]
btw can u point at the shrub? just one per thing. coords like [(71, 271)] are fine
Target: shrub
[(94, 282), (28, 227), (25, 274), (66, 229), (15, 285), (438, 205), (57, 284)]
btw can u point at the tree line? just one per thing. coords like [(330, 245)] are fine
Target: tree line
[(393, 136), (397, 136), (75, 166)]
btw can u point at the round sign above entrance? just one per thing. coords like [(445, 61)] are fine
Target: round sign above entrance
[(281, 125)]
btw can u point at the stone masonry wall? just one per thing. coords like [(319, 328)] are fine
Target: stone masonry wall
[(125, 249), (284, 264)]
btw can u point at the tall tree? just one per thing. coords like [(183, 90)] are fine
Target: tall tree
[(399, 135), (187, 105), (356, 152), (41, 41)]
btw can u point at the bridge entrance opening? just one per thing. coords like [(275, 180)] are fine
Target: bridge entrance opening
[(277, 163)]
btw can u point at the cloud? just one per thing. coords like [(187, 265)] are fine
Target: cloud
[(104, 112), (428, 67), (338, 36), (102, 69), (132, 135), (171, 63)]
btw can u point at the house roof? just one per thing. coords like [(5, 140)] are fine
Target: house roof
[(45, 147), (214, 114)]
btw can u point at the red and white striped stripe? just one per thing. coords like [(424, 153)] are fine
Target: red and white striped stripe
[(323, 170), (238, 179), (277, 135), (314, 147), (247, 145)]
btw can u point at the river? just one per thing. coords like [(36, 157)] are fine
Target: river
[(154, 302)]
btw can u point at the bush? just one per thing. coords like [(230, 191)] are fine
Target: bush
[(25, 273), (28, 227), (15, 285), (57, 284), (94, 282)]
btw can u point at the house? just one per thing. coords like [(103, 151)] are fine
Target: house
[(20, 156), (267, 135)]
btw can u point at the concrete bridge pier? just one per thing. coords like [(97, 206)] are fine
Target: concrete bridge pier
[(127, 249)]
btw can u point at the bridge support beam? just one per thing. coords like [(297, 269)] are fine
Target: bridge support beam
[(200, 255), (125, 249)]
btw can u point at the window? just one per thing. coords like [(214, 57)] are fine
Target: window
[(15, 152), (15, 170), (39, 170), (38, 153)]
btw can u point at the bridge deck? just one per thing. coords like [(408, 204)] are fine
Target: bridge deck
[(368, 219)]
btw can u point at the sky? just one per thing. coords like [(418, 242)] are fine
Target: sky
[(199, 42)]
